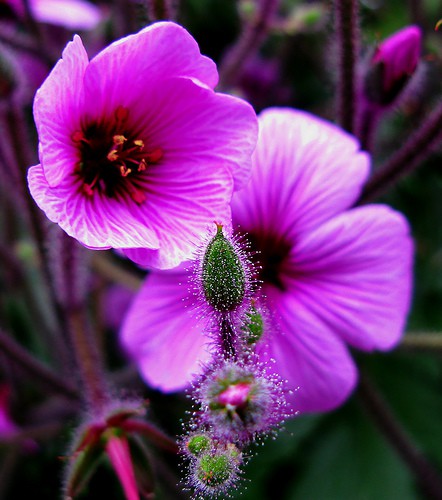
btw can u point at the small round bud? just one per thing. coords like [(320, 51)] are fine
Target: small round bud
[(214, 472), (253, 326), (223, 276), (240, 401), (198, 444)]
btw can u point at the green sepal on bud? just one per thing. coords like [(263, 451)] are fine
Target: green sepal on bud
[(198, 443), (223, 275), (253, 326), (214, 470)]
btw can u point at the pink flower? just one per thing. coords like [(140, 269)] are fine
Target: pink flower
[(137, 151), (71, 14), (332, 275)]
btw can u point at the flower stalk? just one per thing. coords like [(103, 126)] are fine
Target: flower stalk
[(347, 32)]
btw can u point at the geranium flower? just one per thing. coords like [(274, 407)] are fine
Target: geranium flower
[(332, 275), (71, 14), (137, 151)]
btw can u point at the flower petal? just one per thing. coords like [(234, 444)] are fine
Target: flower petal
[(97, 222), (71, 14), (198, 128), (162, 334), (123, 72), (355, 273), (318, 368), (312, 171), (57, 112)]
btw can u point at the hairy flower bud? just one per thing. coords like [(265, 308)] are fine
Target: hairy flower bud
[(215, 471), (392, 65), (253, 326), (198, 444), (224, 278), (239, 401)]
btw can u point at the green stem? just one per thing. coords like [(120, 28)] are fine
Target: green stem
[(427, 476), (37, 371), (425, 341)]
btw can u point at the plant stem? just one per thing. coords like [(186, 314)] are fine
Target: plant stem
[(39, 372), (347, 32), (406, 159), (248, 43), (427, 476), (425, 341)]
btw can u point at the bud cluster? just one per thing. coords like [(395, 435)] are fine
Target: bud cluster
[(237, 399)]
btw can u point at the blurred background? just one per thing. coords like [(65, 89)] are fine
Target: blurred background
[(385, 443)]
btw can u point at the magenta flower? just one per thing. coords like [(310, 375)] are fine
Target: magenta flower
[(332, 275), (392, 65), (71, 14), (137, 151)]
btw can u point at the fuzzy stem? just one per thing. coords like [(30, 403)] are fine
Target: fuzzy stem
[(347, 31), (87, 359), (152, 433), (227, 336), (427, 476), (425, 341), (82, 339), (406, 159), (247, 44), (368, 119), (37, 371)]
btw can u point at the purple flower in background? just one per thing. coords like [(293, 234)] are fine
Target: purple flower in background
[(392, 65), (137, 151), (71, 14), (332, 275)]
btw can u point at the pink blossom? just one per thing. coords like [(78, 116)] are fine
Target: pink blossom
[(72, 14), (137, 151), (332, 275)]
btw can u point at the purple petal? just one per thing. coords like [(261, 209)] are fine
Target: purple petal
[(121, 75), (318, 368), (197, 129), (161, 332), (96, 222), (311, 169), (57, 112), (72, 14), (355, 273)]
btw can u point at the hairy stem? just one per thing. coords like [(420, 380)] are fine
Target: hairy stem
[(34, 368), (406, 159), (427, 476), (347, 32), (248, 43)]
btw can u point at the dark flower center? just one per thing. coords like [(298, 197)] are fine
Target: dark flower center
[(269, 253), (112, 160)]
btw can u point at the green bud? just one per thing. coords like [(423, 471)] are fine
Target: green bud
[(223, 275), (198, 444), (214, 470), (253, 326)]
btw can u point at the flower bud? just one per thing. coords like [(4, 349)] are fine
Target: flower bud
[(392, 65), (240, 401), (223, 275), (198, 443), (216, 471), (253, 326)]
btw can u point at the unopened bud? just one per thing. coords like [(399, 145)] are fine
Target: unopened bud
[(253, 326), (392, 65), (223, 275), (198, 443)]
